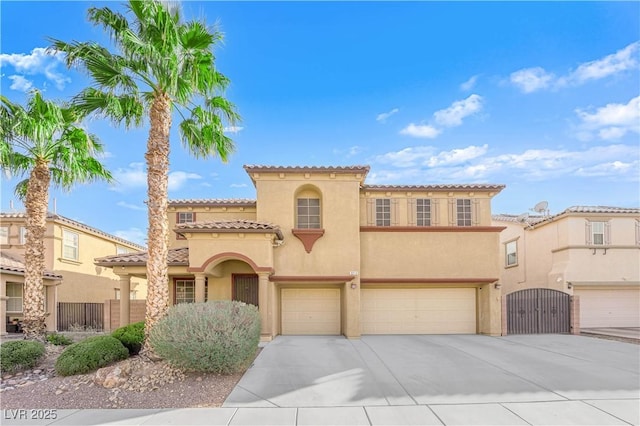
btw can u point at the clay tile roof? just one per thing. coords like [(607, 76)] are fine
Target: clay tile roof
[(176, 257), (332, 169), (439, 187), (230, 226), (65, 220), (531, 219), (601, 209), (242, 202), (14, 263)]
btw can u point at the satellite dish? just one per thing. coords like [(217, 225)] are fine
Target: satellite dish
[(541, 207), (523, 217)]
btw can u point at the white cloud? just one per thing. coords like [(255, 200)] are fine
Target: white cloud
[(452, 116), (611, 121), (20, 83), (233, 129), (38, 62), (135, 177), (382, 117), (424, 164), (238, 185), (420, 131), (130, 206), (623, 60), (135, 235), (469, 84), (178, 179), (531, 79)]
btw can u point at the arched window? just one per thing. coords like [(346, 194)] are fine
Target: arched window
[(308, 208)]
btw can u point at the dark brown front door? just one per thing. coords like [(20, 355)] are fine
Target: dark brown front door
[(245, 288)]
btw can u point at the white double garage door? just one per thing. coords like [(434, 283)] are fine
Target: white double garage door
[(382, 311)]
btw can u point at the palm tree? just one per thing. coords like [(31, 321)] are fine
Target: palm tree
[(161, 65), (45, 142)]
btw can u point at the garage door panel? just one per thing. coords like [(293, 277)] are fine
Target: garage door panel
[(418, 311), (609, 307), (310, 311)]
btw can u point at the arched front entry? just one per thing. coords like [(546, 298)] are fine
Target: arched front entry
[(538, 311)]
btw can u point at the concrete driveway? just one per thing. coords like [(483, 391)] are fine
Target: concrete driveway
[(314, 371)]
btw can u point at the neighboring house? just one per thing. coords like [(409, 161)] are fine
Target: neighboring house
[(70, 250), (321, 252), (589, 252), (12, 282)]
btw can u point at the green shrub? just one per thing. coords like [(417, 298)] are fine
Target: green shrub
[(90, 354), (217, 336), (59, 339), (131, 336), (20, 354)]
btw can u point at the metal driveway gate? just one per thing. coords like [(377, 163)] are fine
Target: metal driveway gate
[(538, 311)]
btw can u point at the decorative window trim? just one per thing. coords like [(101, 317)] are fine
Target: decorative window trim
[(511, 257), (74, 246), (591, 234)]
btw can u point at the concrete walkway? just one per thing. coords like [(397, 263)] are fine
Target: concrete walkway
[(411, 380)]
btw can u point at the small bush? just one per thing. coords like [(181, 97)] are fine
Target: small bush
[(59, 339), (20, 354), (90, 354), (217, 336), (131, 336)]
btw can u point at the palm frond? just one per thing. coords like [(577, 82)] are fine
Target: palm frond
[(127, 109)]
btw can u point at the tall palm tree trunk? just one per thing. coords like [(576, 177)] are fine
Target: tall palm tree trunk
[(157, 157), (36, 203)]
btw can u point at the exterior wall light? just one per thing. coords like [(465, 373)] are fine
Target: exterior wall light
[(569, 285), (354, 286), (498, 286)]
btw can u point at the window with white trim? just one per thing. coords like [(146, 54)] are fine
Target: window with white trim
[(4, 235), (423, 212), (383, 212), (185, 291), (14, 297), (597, 233), (308, 213), (463, 212), (70, 243), (186, 217), (23, 235), (121, 250), (511, 253)]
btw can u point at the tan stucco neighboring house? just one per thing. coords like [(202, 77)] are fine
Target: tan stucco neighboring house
[(70, 250), (592, 252), (319, 251), (11, 284)]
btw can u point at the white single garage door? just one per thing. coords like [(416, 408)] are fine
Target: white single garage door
[(418, 311), (609, 307), (310, 311)]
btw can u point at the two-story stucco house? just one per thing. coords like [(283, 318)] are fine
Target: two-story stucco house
[(319, 251), (589, 252), (70, 250)]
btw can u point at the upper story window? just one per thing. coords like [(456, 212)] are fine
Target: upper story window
[(14, 297), (511, 253), (597, 233), (308, 215), (23, 235), (121, 250), (463, 212), (70, 245), (186, 217), (4, 235), (383, 212), (423, 212)]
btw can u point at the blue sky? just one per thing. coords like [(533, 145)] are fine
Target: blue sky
[(541, 96)]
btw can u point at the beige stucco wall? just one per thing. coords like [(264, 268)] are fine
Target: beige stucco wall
[(83, 281)]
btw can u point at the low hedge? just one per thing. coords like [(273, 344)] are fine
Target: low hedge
[(90, 354), (131, 336), (59, 339), (20, 354)]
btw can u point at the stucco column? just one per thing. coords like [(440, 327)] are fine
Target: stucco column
[(200, 288), (264, 304), (125, 290), (351, 309)]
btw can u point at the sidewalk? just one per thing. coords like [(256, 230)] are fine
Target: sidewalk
[(578, 412)]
